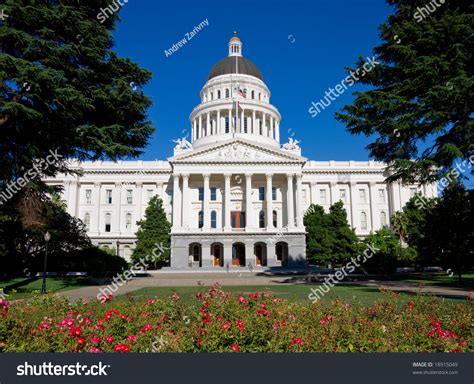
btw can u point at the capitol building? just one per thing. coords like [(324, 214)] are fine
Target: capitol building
[(235, 195)]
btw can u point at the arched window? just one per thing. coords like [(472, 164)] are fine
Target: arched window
[(275, 219), (261, 219), (196, 253), (219, 94), (128, 221), (383, 219), (201, 219), (108, 219), (213, 219), (87, 222), (227, 93), (212, 95), (253, 95), (363, 220)]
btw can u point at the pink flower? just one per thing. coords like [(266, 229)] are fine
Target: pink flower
[(297, 341), (240, 323), (235, 347), (122, 348), (226, 325), (94, 350), (95, 339), (109, 339), (146, 328), (131, 338), (242, 300)]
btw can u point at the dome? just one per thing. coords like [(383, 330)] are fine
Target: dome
[(228, 65)]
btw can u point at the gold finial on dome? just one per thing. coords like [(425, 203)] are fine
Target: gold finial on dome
[(235, 38)]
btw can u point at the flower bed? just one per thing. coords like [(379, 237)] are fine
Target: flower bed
[(220, 322)]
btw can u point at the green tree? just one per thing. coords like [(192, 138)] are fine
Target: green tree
[(400, 225), (420, 106), (448, 232), (388, 249), (318, 237), (153, 236), (344, 244)]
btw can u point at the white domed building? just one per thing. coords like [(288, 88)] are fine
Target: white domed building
[(235, 196)]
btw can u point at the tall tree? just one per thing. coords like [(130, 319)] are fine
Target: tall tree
[(345, 243), (318, 236), (64, 89), (153, 236), (421, 102)]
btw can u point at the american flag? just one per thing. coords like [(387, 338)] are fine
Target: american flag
[(243, 93)]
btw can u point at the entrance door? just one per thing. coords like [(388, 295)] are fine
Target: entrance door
[(237, 219), (258, 254), (217, 256), (238, 255)]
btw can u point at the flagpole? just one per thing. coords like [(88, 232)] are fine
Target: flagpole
[(236, 103)]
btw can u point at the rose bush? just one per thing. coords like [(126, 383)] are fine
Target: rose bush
[(220, 322)]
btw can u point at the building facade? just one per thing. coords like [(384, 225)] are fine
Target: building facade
[(234, 195)]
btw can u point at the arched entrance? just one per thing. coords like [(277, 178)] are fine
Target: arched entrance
[(260, 250), (195, 253), (217, 254), (281, 250), (238, 254)]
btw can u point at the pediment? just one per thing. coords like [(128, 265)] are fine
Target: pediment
[(237, 150)]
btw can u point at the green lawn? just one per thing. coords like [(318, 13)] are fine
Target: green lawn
[(53, 285), (441, 279), (297, 293)]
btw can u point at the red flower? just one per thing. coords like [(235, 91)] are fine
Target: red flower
[(240, 323), (131, 338), (242, 300), (226, 325), (109, 339), (95, 339), (81, 341), (297, 341), (458, 349), (411, 304), (372, 340), (94, 350), (235, 347), (122, 348), (199, 341), (147, 327), (75, 331)]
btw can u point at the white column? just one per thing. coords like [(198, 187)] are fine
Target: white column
[(248, 201), (299, 201), (208, 123), (254, 122), (314, 198), (227, 201), (206, 212), (194, 130), (290, 201), (372, 194), (277, 133), (352, 191), (271, 126), (219, 122), (269, 201), (185, 202), (118, 204), (200, 126), (333, 190), (96, 212), (139, 187), (176, 202)]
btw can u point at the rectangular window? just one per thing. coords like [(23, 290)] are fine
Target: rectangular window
[(128, 221), (88, 196), (107, 222), (245, 124), (213, 193), (149, 194), (201, 193), (342, 195), (108, 196), (261, 193), (413, 192), (129, 196), (226, 124), (362, 196), (381, 195), (274, 193), (322, 196)]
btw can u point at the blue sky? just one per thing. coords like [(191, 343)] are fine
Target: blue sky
[(301, 48)]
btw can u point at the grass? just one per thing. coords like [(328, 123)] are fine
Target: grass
[(296, 293), (53, 285), (441, 279)]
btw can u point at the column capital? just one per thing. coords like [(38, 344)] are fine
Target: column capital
[(139, 184), (248, 175), (118, 184), (227, 175), (352, 183), (313, 183), (268, 175), (185, 175), (299, 176), (372, 183), (290, 175), (206, 175), (333, 183)]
